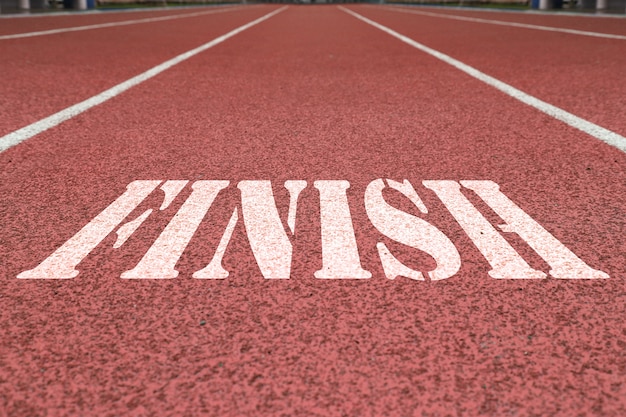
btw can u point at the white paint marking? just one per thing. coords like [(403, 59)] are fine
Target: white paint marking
[(340, 254), (505, 262), (408, 230), (269, 241), (393, 268), (126, 230), (598, 132), (564, 263), (42, 125), (160, 260), (62, 263), (513, 24), (294, 188), (215, 270), (517, 11), (113, 24), (102, 12), (171, 189), (407, 189)]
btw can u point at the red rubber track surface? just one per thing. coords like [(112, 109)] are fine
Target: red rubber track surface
[(580, 74), (45, 74), (14, 25), (312, 93), (611, 24)]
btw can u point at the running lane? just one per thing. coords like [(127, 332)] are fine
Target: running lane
[(14, 24), (43, 75), (580, 74), (311, 94), (611, 24)]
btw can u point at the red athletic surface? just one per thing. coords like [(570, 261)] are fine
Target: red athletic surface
[(581, 74), (45, 74), (310, 94), (25, 24), (612, 24)]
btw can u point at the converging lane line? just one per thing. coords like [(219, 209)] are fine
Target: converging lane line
[(102, 12), (598, 132), (42, 125), (505, 23), (113, 24)]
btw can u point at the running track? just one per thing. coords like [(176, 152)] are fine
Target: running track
[(312, 93)]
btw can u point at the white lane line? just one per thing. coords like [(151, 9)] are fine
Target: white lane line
[(103, 12), (598, 132), (42, 125), (505, 23), (113, 24), (596, 15)]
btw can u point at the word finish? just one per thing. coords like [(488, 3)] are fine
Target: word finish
[(272, 247)]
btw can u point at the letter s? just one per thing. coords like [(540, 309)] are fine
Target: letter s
[(410, 231)]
